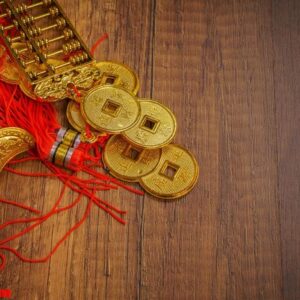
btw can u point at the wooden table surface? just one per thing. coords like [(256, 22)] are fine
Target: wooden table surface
[(230, 72)]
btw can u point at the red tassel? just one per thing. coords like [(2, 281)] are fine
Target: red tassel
[(39, 118)]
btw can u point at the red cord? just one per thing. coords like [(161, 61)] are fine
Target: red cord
[(20, 206), (98, 42), (46, 258)]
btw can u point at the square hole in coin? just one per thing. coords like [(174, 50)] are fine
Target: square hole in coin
[(132, 153), (110, 79), (169, 170), (111, 108), (150, 124)]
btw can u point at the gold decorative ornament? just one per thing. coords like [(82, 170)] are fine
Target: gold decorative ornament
[(60, 155), (13, 141), (58, 86), (110, 109), (127, 162), (175, 175), (155, 128)]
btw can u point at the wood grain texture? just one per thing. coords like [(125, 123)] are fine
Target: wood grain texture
[(230, 72)]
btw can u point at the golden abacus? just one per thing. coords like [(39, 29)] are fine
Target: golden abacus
[(45, 32)]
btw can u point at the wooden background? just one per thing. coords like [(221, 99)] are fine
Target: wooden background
[(230, 72)]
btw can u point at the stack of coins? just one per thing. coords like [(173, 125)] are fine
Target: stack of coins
[(140, 148)]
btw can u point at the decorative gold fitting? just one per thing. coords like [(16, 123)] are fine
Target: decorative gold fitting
[(70, 137), (61, 154), (91, 139)]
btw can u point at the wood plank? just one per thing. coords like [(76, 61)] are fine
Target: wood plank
[(286, 28)]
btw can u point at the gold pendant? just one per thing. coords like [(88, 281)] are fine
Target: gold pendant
[(13, 141)]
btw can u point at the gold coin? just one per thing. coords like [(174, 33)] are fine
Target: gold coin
[(13, 141), (110, 109), (119, 75), (175, 175), (155, 128), (74, 116), (78, 123), (127, 162)]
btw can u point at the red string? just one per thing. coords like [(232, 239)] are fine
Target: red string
[(44, 259), (3, 261), (113, 180), (20, 206), (82, 188), (98, 42), (52, 212), (22, 160), (40, 220), (88, 130)]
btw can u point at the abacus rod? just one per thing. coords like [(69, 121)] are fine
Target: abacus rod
[(58, 38), (9, 27), (54, 53), (4, 15), (49, 27), (35, 5), (62, 65), (42, 16)]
